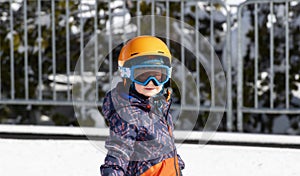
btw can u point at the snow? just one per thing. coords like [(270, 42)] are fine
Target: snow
[(116, 4), (88, 2), (271, 19), (84, 157), (74, 78), (294, 3), (234, 160), (120, 19), (86, 11), (48, 158), (43, 19), (234, 2), (75, 30), (296, 93), (16, 6), (81, 158)]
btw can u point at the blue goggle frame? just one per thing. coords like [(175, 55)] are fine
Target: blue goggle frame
[(129, 73)]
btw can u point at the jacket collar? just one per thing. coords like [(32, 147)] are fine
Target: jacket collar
[(137, 99)]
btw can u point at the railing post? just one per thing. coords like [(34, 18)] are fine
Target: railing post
[(240, 75)]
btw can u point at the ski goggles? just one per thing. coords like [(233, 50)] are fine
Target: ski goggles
[(143, 74)]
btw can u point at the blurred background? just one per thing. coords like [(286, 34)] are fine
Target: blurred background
[(255, 41)]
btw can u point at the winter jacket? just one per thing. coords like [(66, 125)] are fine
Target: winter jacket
[(140, 141)]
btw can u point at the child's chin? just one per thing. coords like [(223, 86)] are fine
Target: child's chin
[(150, 94)]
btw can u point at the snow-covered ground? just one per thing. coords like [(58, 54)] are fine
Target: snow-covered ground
[(81, 158)]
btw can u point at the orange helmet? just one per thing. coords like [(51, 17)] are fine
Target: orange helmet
[(143, 46)]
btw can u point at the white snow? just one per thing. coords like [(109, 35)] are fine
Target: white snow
[(81, 158), (296, 93), (16, 6), (120, 22), (88, 2), (74, 78), (294, 3), (86, 12), (43, 19), (48, 158), (75, 30), (84, 157), (235, 161), (116, 4), (271, 19), (234, 2)]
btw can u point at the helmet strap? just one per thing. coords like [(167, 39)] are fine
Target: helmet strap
[(124, 82)]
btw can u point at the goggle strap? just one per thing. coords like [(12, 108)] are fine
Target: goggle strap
[(125, 72)]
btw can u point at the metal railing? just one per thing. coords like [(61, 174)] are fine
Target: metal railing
[(66, 75), (269, 72), (74, 18)]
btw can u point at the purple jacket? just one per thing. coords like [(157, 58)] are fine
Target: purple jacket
[(139, 132)]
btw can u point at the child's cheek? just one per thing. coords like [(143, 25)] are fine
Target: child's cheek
[(142, 90)]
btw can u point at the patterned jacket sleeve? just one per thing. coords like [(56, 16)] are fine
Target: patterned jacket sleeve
[(119, 145), (180, 162)]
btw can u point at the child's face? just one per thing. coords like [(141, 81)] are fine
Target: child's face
[(148, 90)]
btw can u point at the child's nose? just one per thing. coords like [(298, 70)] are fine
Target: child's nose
[(151, 83)]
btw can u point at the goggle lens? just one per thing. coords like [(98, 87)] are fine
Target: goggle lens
[(142, 75)]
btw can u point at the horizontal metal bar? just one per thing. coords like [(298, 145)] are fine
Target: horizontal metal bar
[(99, 103), (264, 1), (205, 1), (242, 5), (271, 111), (195, 108), (49, 102)]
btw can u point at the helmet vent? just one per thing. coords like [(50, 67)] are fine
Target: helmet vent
[(161, 52), (133, 54)]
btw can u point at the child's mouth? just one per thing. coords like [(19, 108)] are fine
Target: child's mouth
[(149, 88)]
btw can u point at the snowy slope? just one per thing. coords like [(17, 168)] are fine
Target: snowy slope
[(81, 158)]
